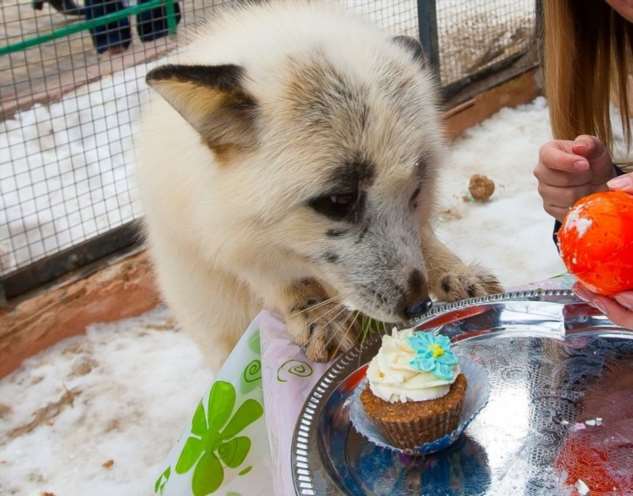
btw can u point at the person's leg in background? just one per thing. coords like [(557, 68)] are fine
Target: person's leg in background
[(114, 37), (152, 24), (66, 7)]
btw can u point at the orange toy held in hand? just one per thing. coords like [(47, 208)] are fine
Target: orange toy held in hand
[(596, 242)]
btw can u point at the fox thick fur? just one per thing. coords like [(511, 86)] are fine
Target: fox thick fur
[(288, 159)]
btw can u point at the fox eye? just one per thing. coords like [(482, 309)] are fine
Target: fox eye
[(413, 202), (336, 206)]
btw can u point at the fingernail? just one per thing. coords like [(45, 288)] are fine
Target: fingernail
[(580, 147), (598, 304), (622, 182), (583, 294), (625, 299), (581, 165)]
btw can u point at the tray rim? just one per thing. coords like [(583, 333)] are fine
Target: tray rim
[(305, 428)]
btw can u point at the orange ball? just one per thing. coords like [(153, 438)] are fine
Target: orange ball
[(596, 242)]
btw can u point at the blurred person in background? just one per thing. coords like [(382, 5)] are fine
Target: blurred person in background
[(116, 37), (66, 7)]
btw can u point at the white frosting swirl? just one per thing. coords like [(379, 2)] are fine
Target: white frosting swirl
[(393, 379)]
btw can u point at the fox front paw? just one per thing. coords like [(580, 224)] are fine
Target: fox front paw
[(322, 326), (467, 282)]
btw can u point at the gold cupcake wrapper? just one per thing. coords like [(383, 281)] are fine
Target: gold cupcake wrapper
[(409, 435)]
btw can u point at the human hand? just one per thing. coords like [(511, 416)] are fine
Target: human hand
[(618, 308), (568, 170), (622, 183)]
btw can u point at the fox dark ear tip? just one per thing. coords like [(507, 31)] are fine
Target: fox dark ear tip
[(157, 74), (412, 45), (152, 76)]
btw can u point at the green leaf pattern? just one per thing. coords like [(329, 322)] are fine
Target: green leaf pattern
[(298, 368), (234, 452), (214, 442), (161, 482), (254, 343), (251, 376)]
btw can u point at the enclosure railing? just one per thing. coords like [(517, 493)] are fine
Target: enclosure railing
[(444, 28)]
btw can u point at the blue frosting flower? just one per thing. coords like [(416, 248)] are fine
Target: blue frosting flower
[(433, 354)]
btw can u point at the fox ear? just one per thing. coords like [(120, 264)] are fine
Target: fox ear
[(213, 100), (412, 45)]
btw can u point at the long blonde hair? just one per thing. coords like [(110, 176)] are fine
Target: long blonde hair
[(588, 50)]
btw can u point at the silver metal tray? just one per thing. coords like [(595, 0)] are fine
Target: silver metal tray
[(542, 350)]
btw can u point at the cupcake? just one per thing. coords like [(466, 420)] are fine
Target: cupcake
[(415, 389)]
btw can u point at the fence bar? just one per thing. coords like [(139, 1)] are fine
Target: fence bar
[(427, 28), (54, 266), (539, 29), (170, 11)]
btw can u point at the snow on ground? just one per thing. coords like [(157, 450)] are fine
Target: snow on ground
[(96, 414), (70, 410), (66, 169), (511, 235)]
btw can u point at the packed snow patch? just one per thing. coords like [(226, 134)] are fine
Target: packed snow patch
[(511, 235), (98, 414), (66, 170)]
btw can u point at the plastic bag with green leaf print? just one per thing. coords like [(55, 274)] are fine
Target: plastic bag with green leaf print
[(224, 450)]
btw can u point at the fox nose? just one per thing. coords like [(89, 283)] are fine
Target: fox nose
[(415, 301), (418, 309)]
